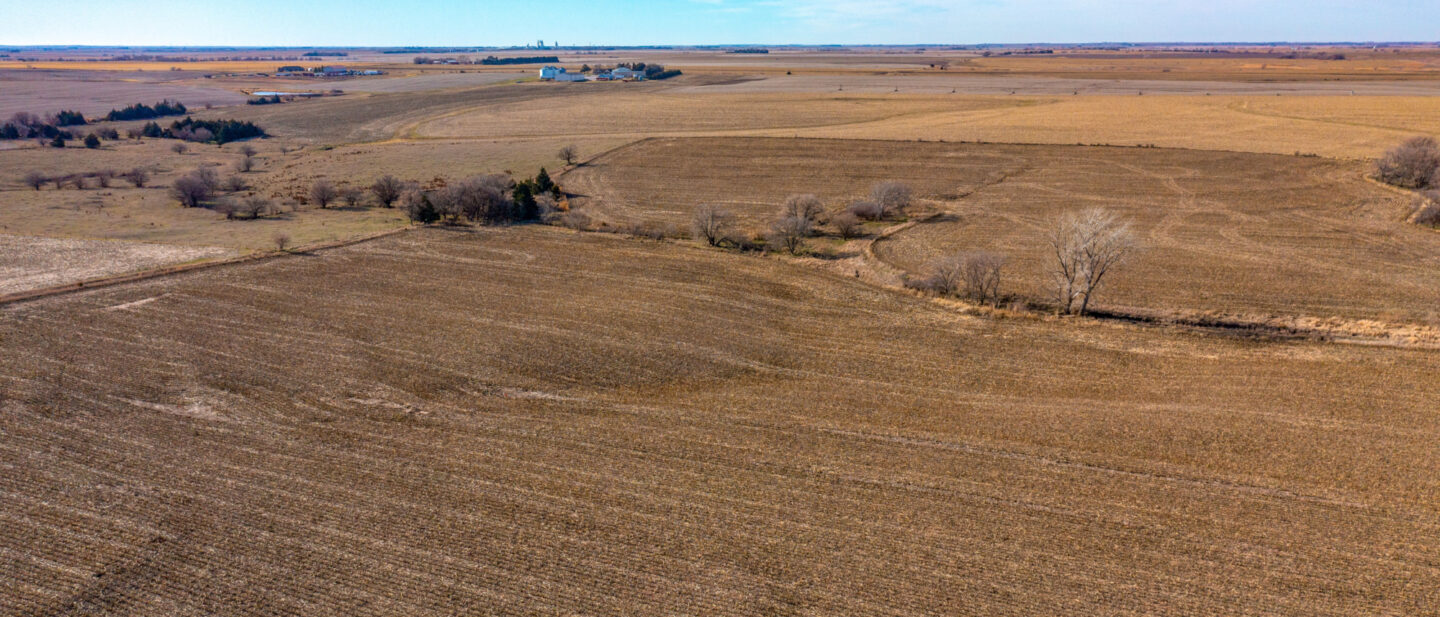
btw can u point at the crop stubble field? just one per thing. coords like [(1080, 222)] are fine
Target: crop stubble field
[(1221, 231), (532, 421)]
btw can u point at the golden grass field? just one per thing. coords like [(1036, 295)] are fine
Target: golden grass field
[(532, 421), (528, 420)]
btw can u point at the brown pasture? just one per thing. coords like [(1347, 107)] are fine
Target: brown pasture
[(529, 421)]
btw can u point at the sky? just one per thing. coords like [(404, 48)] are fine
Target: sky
[(706, 22)]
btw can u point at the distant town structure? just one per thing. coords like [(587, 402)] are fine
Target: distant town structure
[(323, 71), (557, 73)]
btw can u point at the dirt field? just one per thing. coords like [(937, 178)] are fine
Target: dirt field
[(28, 262), (96, 93), (1232, 232), (527, 421)]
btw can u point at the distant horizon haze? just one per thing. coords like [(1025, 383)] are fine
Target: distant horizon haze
[(456, 23)]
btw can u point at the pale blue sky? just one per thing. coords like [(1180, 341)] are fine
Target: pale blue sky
[(659, 22)]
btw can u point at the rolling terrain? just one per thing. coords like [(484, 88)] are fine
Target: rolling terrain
[(531, 421), (1221, 231)]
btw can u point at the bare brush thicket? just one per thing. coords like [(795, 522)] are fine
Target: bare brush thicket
[(806, 206), (1086, 246), (352, 196), (281, 240), (35, 180), (975, 275), (387, 190), (847, 224), (892, 197), (867, 210), (234, 184), (191, 191), (789, 233), (1427, 209), (323, 193), (137, 177), (713, 223), (1414, 164), (179, 148)]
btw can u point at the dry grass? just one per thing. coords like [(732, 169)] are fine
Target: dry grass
[(1226, 232), (528, 421), (150, 215), (34, 263)]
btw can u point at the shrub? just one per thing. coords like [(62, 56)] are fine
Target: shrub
[(1427, 210), (179, 148), (847, 224), (418, 208), (323, 192), (69, 118), (578, 221), (140, 111), (190, 191), (281, 240), (234, 184), (35, 180), (58, 142), (867, 210), (352, 196), (137, 177), (92, 142), (1413, 164)]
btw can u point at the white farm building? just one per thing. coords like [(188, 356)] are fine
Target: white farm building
[(556, 73)]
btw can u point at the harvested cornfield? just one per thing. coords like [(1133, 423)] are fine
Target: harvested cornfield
[(532, 422), (1221, 232)]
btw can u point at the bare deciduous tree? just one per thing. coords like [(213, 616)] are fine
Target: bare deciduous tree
[(569, 154), (806, 206), (789, 233), (247, 150), (179, 148), (281, 240), (1414, 164), (35, 180), (847, 224), (190, 191), (712, 223), (387, 189), (245, 164), (323, 192), (1086, 246), (893, 197)]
